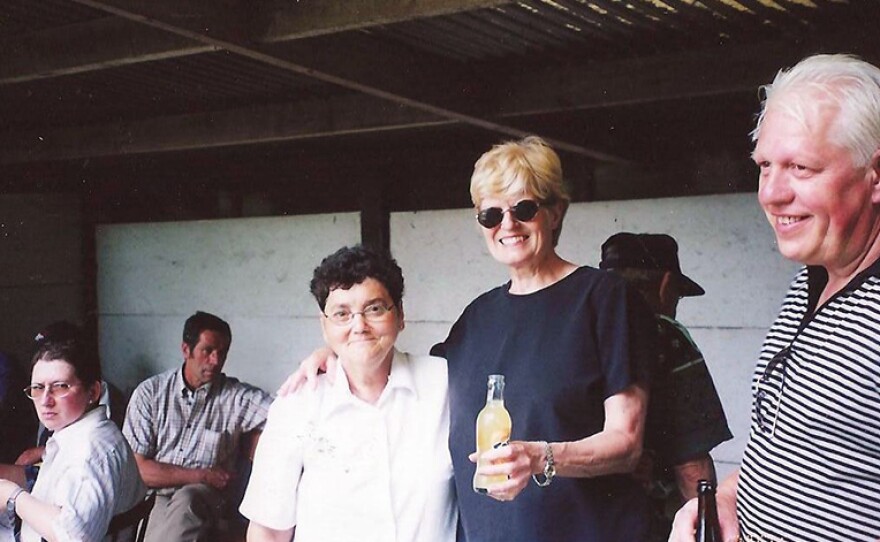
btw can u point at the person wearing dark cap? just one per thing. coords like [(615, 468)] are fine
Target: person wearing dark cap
[(685, 419)]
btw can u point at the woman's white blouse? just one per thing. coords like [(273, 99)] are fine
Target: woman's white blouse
[(90, 472), (340, 469)]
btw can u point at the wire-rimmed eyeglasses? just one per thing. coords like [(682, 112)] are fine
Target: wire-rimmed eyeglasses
[(769, 394), (375, 312), (55, 389)]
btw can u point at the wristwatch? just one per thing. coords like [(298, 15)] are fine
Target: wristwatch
[(10, 503), (545, 478)]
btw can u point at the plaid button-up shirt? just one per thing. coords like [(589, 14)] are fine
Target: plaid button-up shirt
[(169, 423)]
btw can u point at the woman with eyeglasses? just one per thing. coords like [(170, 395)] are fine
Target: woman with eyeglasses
[(574, 346), (362, 456), (88, 473)]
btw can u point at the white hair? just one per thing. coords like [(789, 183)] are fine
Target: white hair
[(842, 82)]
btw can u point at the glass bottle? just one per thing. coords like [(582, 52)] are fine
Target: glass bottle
[(493, 429), (708, 527)]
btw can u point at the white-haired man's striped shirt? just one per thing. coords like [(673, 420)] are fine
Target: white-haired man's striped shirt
[(811, 469)]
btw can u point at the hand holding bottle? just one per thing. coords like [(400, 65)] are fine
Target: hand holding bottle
[(504, 468), (686, 519), (513, 465)]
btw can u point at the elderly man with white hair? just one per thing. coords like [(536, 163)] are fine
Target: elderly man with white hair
[(811, 468)]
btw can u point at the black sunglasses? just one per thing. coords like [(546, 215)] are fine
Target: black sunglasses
[(769, 395), (523, 211)]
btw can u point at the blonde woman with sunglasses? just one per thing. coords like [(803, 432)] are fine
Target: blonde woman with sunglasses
[(574, 346)]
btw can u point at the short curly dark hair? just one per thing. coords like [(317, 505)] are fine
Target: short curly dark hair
[(353, 265)]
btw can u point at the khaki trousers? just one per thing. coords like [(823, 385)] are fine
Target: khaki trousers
[(188, 515)]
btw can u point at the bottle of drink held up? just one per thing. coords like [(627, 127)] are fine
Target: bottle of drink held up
[(493, 429), (708, 528)]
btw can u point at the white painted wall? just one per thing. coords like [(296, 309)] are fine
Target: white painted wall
[(255, 273)]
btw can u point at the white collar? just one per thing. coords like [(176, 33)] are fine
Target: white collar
[(401, 377), (86, 423)]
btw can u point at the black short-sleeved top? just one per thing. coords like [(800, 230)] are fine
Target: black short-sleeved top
[(563, 350)]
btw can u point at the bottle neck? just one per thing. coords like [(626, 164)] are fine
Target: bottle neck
[(706, 497), (708, 528), (495, 393)]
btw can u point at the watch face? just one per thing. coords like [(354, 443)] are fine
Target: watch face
[(7, 518)]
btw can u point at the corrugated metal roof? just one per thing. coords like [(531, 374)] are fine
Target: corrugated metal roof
[(610, 28)]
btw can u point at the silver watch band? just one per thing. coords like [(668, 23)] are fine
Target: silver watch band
[(10, 503), (545, 478)]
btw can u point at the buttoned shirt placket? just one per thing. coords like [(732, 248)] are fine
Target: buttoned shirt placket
[(193, 407)]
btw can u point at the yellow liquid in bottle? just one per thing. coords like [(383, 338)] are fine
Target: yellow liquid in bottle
[(493, 429)]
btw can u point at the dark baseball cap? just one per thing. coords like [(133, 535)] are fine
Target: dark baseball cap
[(647, 251)]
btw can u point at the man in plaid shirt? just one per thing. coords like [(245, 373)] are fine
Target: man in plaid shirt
[(185, 426)]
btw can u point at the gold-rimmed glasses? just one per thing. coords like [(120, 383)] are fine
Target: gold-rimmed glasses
[(57, 390)]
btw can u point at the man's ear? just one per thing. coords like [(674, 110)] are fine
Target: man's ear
[(185, 349), (874, 173), (667, 289)]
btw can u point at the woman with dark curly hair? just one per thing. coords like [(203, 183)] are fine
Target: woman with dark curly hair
[(363, 455)]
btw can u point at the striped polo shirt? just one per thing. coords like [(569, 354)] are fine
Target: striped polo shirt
[(811, 468)]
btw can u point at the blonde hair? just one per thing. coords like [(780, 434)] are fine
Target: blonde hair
[(528, 166)]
